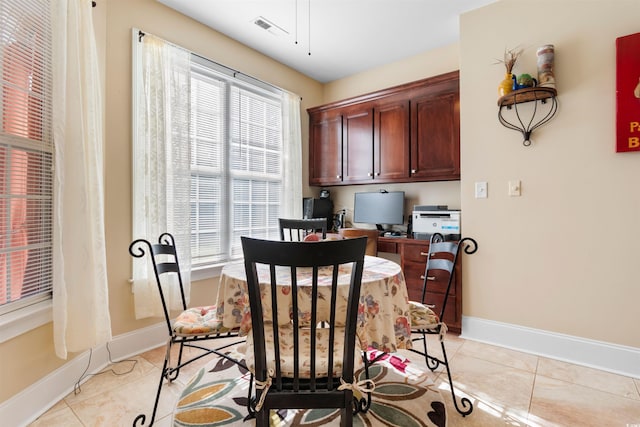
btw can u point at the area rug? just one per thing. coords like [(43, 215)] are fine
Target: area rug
[(404, 396)]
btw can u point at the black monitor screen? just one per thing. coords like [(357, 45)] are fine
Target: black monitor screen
[(380, 208)]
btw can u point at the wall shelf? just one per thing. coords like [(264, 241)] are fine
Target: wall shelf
[(545, 106)]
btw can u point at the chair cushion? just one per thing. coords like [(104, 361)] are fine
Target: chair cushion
[(422, 317), (286, 351), (199, 321)]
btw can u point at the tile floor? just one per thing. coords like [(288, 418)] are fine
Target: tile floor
[(506, 387)]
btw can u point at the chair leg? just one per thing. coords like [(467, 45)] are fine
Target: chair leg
[(172, 373), (163, 374), (262, 417), (467, 406), (432, 362), (346, 417)]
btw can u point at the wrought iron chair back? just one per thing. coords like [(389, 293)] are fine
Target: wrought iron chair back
[(298, 363), (442, 258), (192, 325)]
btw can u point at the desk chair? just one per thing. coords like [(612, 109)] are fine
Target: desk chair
[(192, 325), (298, 229), (441, 261), (308, 358)]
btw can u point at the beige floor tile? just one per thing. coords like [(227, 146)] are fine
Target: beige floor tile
[(559, 403), (452, 344), (58, 416), (503, 356), (507, 388), (126, 403), (113, 376), (589, 377), (490, 385)]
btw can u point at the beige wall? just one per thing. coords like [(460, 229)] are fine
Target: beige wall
[(563, 257), (542, 256)]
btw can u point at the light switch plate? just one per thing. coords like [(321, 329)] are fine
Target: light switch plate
[(481, 190)]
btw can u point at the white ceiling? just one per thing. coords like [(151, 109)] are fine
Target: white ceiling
[(335, 38)]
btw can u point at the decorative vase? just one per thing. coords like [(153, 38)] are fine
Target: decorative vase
[(546, 56), (506, 85)]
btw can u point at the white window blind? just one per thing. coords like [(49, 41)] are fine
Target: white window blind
[(26, 153), (237, 154)]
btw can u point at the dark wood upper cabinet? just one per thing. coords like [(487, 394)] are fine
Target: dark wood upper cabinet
[(391, 141), (325, 154), (402, 134), (435, 138), (358, 145)]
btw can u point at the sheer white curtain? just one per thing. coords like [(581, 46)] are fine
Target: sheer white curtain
[(292, 158), (161, 165), (80, 290)]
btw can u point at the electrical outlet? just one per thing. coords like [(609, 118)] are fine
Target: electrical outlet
[(481, 190)]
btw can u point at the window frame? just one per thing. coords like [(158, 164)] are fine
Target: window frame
[(34, 309)]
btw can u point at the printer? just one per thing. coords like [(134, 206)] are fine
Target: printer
[(427, 220)]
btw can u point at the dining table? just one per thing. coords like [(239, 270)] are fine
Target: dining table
[(383, 312)]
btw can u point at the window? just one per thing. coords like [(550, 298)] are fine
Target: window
[(216, 156), (236, 163), (26, 153)]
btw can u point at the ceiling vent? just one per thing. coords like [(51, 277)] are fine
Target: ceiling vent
[(265, 24)]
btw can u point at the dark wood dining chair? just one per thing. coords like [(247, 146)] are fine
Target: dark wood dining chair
[(298, 229), (442, 257), (191, 326), (303, 359)]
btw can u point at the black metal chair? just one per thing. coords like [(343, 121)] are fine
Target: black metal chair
[(192, 325), (298, 229), (441, 261), (306, 358)]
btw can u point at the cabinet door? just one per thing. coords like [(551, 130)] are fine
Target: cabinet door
[(435, 136), (391, 141), (358, 145), (325, 150)]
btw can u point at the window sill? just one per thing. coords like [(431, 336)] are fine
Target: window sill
[(25, 319), (206, 272)]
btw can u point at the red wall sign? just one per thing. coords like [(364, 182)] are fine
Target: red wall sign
[(628, 92)]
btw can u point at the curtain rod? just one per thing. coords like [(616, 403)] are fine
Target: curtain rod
[(235, 72)]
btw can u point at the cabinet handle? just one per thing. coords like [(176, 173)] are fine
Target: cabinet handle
[(424, 254), (369, 174), (428, 277), (413, 171), (338, 177), (377, 173)]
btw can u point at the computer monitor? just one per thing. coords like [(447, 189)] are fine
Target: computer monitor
[(382, 208)]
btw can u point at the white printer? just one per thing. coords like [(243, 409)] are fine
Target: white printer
[(427, 220)]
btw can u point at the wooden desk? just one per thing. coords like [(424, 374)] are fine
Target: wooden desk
[(413, 264)]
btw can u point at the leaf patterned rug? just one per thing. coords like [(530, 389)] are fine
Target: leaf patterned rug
[(405, 396)]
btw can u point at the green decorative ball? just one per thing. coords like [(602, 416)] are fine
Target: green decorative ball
[(525, 80)]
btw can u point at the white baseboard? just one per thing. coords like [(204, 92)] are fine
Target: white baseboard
[(26, 406), (601, 355)]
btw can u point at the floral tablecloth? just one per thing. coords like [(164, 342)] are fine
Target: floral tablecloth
[(383, 313)]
